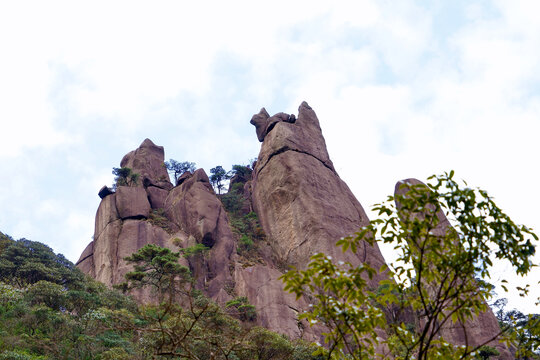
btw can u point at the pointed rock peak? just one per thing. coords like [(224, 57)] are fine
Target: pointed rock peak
[(188, 180), (200, 175), (402, 186), (304, 104), (283, 132), (308, 118), (149, 143), (150, 146), (260, 120), (184, 177), (263, 113), (148, 161), (264, 123)]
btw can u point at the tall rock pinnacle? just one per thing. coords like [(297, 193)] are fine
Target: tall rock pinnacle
[(304, 208), (303, 205)]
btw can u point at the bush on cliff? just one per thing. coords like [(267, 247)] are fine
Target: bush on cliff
[(177, 168), (124, 176)]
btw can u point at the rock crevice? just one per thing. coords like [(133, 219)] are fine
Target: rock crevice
[(284, 149)]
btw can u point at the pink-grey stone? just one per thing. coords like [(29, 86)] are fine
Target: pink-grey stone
[(132, 202)]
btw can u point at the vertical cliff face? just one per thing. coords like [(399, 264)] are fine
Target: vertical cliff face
[(302, 203), (476, 331), (304, 208)]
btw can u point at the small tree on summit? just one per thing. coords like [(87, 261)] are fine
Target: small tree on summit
[(241, 170), (177, 168), (124, 176), (218, 175)]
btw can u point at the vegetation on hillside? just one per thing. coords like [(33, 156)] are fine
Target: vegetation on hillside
[(50, 310), (243, 220)]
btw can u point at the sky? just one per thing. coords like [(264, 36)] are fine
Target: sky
[(402, 89)]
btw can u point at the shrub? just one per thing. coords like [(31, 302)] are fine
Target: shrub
[(241, 308), (245, 245)]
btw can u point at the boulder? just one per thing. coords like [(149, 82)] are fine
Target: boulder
[(183, 177), (264, 123), (148, 161), (132, 202), (157, 197), (260, 121), (165, 185), (104, 191)]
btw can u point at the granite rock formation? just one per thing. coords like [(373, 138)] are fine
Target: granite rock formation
[(474, 332), (303, 205), (300, 201), (133, 216)]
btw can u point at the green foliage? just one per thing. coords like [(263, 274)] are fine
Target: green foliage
[(124, 176), (18, 355), (24, 262), (241, 170), (50, 294), (245, 244), (241, 308), (158, 268), (485, 352), (435, 272), (177, 168), (217, 177), (233, 201), (342, 304), (524, 329), (245, 226), (197, 249), (157, 217), (184, 324), (249, 232), (56, 313), (45, 304), (5, 240)]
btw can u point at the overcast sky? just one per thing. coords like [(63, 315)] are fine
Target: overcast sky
[(402, 89)]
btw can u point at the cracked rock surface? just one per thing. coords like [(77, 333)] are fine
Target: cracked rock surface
[(303, 205)]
